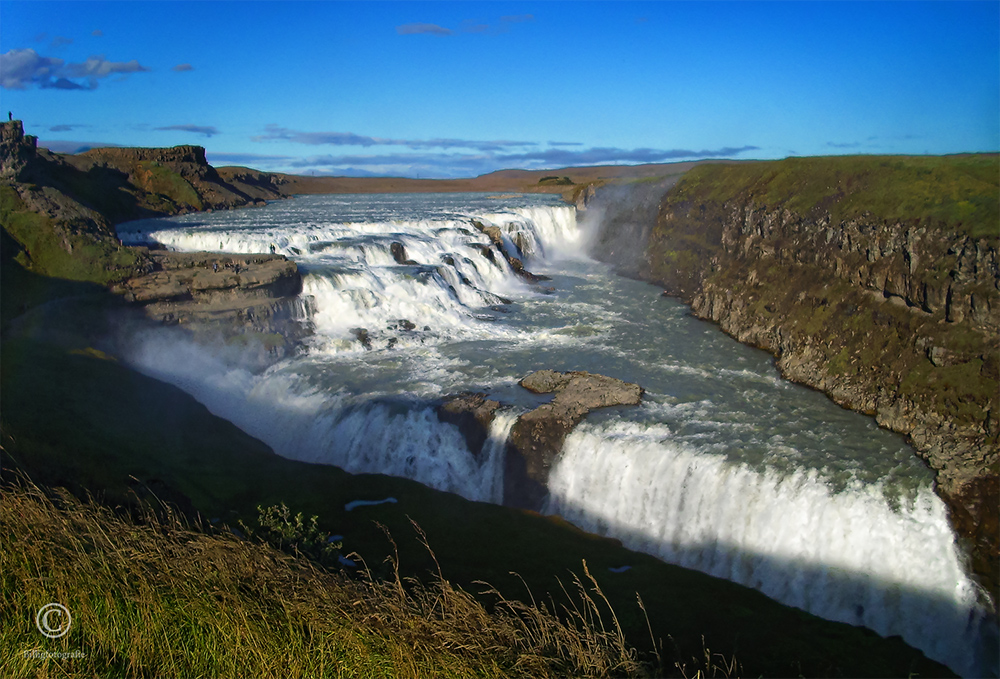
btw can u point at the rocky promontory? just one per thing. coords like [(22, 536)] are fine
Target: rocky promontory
[(537, 436), (218, 291)]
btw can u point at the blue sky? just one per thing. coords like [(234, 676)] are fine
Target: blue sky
[(461, 88)]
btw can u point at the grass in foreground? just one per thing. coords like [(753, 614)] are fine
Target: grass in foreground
[(154, 596)]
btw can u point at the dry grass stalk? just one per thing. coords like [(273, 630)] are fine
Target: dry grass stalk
[(152, 595)]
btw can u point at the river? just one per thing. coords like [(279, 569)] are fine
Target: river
[(725, 467)]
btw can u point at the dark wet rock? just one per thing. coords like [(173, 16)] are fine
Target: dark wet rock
[(492, 232), (519, 269), (403, 324), (361, 334), (398, 251), (473, 414), (537, 437), (496, 238), (487, 252), (519, 243)]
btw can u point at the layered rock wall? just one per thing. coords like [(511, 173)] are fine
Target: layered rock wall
[(896, 317)]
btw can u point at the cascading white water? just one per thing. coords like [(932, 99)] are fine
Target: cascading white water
[(844, 556), (727, 468), (354, 280), (543, 231), (370, 434)]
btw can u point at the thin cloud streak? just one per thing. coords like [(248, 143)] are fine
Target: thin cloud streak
[(278, 133), (418, 29), (249, 159), (598, 156), (180, 68), (465, 165), (208, 131), (468, 26)]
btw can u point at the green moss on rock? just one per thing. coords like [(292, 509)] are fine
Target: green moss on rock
[(58, 250)]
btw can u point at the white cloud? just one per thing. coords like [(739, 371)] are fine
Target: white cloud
[(20, 69)]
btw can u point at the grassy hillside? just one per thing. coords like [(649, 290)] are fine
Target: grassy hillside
[(957, 193), (58, 250)]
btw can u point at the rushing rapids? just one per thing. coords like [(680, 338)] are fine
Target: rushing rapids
[(725, 467)]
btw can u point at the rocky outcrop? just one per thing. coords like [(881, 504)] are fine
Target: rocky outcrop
[(182, 174), (537, 437), (496, 239), (473, 414), (66, 208), (230, 294), (17, 151), (256, 184)]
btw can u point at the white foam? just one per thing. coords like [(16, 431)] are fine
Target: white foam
[(846, 556)]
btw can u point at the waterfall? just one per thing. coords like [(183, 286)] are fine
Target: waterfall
[(847, 556)]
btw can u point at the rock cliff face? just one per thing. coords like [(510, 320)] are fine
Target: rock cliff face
[(16, 151), (182, 174), (866, 284), (61, 211), (227, 295), (537, 437)]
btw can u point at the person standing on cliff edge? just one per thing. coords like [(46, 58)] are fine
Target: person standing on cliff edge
[(10, 115)]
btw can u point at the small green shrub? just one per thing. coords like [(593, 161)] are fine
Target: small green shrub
[(295, 534), (555, 181)]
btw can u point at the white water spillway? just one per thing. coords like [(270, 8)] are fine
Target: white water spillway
[(725, 467)]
